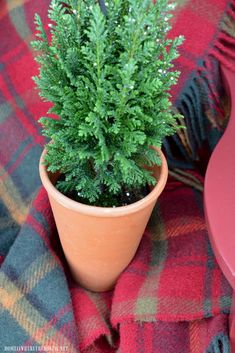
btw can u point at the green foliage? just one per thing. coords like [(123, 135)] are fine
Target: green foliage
[(108, 77)]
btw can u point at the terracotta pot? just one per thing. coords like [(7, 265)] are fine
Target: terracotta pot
[(100, 242)]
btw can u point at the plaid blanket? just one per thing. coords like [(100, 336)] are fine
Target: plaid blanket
[(172, 298)]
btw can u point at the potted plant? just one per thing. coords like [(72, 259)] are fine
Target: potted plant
[(107, 68)]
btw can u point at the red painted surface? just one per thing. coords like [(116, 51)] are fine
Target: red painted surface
[(219, 198)]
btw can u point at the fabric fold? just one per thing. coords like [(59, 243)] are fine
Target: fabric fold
[(202, 100), (34, 297), (173, 289), (183, 337), (156, 287), (174, 276)]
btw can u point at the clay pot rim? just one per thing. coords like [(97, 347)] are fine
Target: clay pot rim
[(105, 211)]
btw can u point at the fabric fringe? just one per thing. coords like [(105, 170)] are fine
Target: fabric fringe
[(224, 46), (220, 344), (204, 104), (187, 178)]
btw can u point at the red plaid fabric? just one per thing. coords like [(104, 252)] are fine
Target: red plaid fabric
[(173, 277), (172, 298), (186, 336)]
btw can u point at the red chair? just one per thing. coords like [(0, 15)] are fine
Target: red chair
[(219, 200)]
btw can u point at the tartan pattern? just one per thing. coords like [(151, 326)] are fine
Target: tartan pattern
[(173, 285), (29, 281), (42, 303), (201, 100), (157, 285), (20, 140), (186, 336)]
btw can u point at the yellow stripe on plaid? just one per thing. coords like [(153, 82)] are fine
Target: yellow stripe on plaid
[(12, 199), (194, 339), (149, 305), (12, 4), (28, 317), (34, 273), (16, 12), (184, 226)]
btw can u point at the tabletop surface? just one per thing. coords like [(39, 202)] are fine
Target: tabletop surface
[(219, 193)]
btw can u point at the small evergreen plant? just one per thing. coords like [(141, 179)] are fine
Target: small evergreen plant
[(107, 68)]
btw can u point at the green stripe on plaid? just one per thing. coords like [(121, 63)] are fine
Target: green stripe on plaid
[(5, 111), (147, 302), (29, 280), (168, 278), (17, 16)]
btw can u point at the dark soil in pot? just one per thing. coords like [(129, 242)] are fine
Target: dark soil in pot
[(126, 196)]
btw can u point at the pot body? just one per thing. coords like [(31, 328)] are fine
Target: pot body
[(100, 242)]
